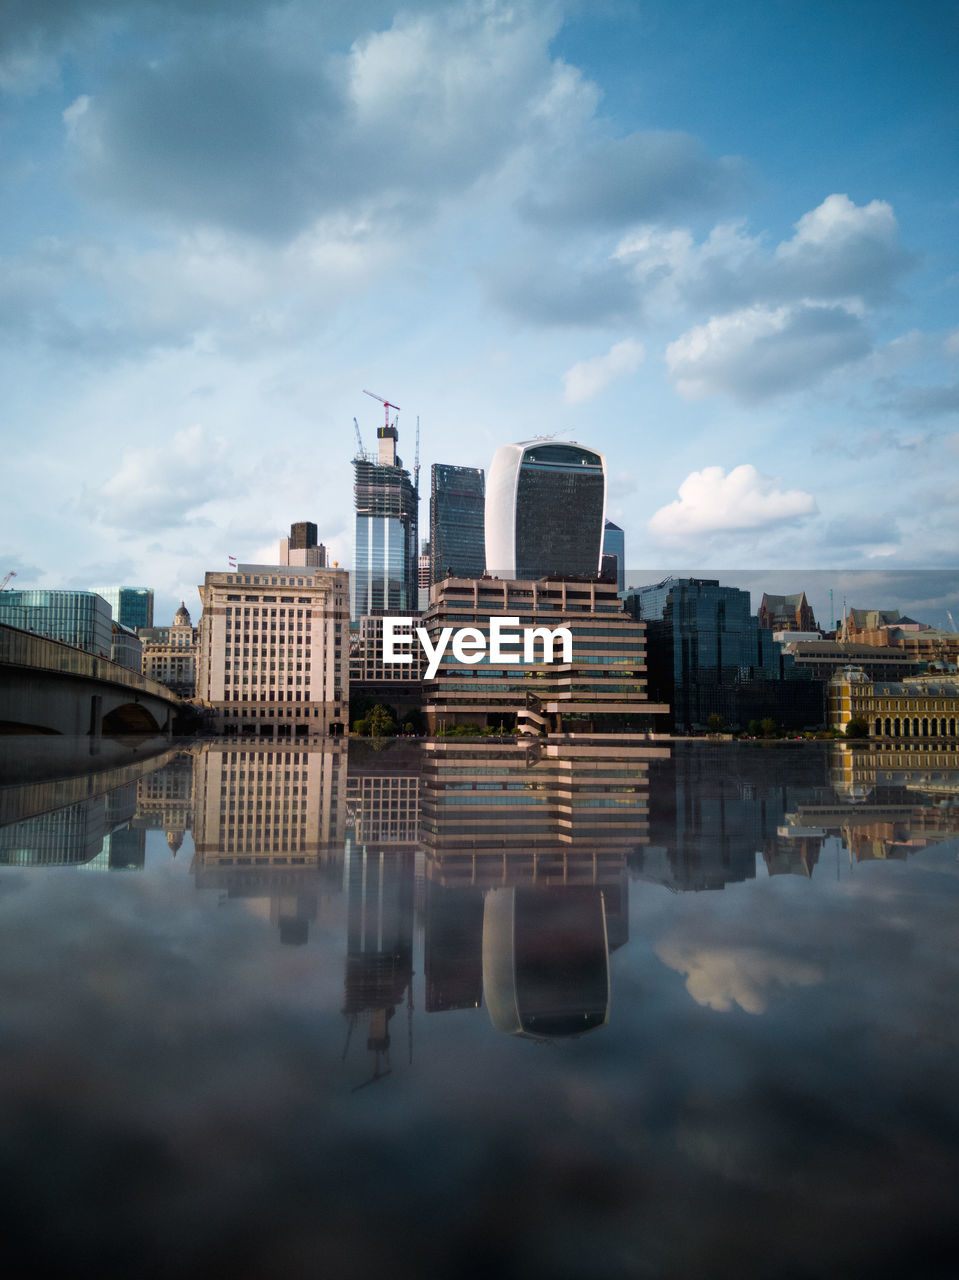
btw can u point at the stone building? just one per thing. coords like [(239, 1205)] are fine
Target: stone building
[(274, 649), (169, 653), (919, 707)]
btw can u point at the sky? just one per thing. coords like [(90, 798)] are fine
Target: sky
[(717, 243)]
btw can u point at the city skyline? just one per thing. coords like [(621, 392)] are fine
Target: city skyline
[(718, 247)]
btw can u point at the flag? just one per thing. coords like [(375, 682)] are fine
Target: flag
[(232, 560)]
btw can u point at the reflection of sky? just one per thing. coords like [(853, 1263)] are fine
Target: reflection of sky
[(776, 1081)]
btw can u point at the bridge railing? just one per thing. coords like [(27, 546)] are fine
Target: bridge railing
[(24, 649)]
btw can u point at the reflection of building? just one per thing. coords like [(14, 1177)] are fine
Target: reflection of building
[(546, 960), (708, 655), (385, 554), (533, 812), (94, 832), (165, 799), (917, 707), (169, 654), (457, 504), (603, 688), (714, 807), (274, 656), (269, 823), (80, 618), (383, 807), (545, 504)]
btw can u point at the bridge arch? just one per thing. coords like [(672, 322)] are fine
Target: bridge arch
[(130, 717)]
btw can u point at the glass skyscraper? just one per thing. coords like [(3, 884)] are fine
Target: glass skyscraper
[(384, 579), (707, 654), (614, 544), (131, 606), (545, 508), (457, 501)]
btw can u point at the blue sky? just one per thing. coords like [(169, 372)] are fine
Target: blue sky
[(716, 242)]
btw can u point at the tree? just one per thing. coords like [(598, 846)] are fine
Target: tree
[(857, 728), (714, 723), (753, 728), (767, 727), (381, 723)]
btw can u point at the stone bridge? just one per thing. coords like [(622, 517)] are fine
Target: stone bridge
[(49, 687)]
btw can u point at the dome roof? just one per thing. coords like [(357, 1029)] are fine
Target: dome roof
[(182, 616)]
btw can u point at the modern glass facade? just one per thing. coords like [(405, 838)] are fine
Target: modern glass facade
[(385, 563), (80, 618), (708, 655), (545, 506), (457, 504), (614, 544), (131, 606)]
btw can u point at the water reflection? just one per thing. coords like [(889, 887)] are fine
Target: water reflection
[(733, 1023)]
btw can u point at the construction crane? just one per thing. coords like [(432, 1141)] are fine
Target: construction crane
[(359, 440), (10, 575), (387, 406)]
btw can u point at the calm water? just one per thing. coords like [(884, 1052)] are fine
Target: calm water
[(480, 1010)]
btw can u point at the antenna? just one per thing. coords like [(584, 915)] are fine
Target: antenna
[(416, 462)]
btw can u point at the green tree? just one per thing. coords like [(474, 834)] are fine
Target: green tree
[(714, 723), (767, 727), (857, 728), (753, 728), (381, 723)]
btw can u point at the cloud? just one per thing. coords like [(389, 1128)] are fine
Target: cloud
[(762, 351), (587, 378), (710, 501), (548, 294), (643, 177), (169, 483), (720, 977), (261, 127), (926, 402)]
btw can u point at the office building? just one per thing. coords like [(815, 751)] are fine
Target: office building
[(614, 544), (601, 690), (545, 510), (80, 618), (169, 653), (708, 655), (457, 513), (302, 547), (274, 650), (131, 606), (126, 647), (386, 550), (423, 577)]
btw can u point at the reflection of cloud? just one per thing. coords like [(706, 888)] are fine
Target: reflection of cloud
[(588, 378), (720, 977), (710, 501)]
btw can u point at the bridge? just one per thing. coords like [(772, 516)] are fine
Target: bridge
[(50, 687)]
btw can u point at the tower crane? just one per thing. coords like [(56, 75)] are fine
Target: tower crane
[(10, 575), (359, 438), (387, 406)]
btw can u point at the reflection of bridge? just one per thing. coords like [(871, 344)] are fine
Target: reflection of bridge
[(49, 687)]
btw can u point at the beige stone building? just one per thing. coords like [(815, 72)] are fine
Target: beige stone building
[(169, 653), (919, 707), (274, 650)]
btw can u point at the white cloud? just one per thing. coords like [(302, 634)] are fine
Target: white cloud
[(588, 378), (166, 484), (718, 977), (710, 501), (762, 351)]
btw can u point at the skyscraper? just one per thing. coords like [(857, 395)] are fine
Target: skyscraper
[(614, 544), (301, 547), (384, 579), (545, 506), (457, 499), (133, 606)]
